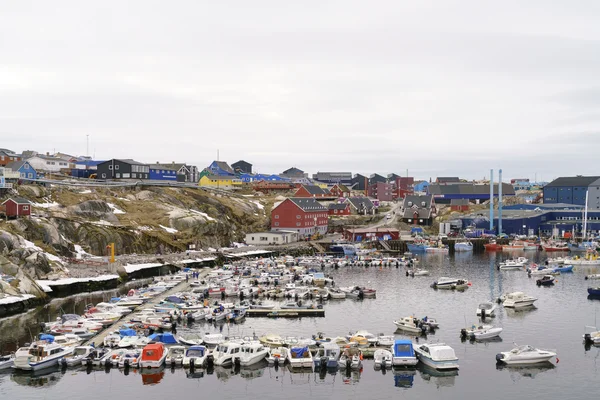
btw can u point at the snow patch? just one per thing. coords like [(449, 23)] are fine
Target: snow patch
[(68, 281), (46, 205), (211, 249), (129, 268), (123, 198), (102, 222), (170, 230), (114, 209), (85, 192), (31, 245), (205, 215), (15, 299), (81, 253), (260, 206)]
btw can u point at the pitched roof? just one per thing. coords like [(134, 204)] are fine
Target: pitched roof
[(18, 200), (293, 171), (129, 161), (172, 166), (241, 162), (165, 167), (573, 181), (307, 204), (314, 190), (415, 202), (447, 179), (224, 166), (16, 165), (338, 206), (360, 202), (7, 151)]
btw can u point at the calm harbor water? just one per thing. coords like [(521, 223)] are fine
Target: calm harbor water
[(557, 322)]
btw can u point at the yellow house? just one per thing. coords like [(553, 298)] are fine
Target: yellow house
[(320, 184), (219, 182)]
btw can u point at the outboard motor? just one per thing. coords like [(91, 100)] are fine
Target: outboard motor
[(407, 273), (63, 362), (210, 361), (483, 314), (192, 364), (323, 362), (126, 363), (587, 338), (499, 357)]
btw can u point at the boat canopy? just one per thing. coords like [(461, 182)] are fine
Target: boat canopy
[(174, 299), (299, 352), (403, 348), (127, 332), (441, 352), (195, 351), (46, 337), (166, 338)]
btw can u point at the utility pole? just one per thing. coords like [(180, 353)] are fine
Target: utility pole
[(87, 146)]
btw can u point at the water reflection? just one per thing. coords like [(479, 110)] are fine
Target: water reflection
[(152, 376), (520, 312), (38, 379), (526, 371), (439, 378), (404, 378)]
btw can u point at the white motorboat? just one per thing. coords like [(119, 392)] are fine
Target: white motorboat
[(39, 355), (131, 358), (290, 341), (112, 308), (112, 340), (417, 272), (271, 340), (76, 357), (225, 353), (252, 353), (262, 306), (480, 332), (383, 359), (463, 246), (175, 356), (486, 309), (411, 325), (592, 276), (94, 357), (437, 355), (327, 355), (300, 357), (403, 354), (591, 336), (213, 339), (277, 356), (518, 300), (525, 355), (67, 340), (385, 340), (7, 361), (518, 263), (195, 356), (450, 283), (133, 341), (336, 293), (351, 358)]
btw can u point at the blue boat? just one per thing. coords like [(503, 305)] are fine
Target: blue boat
[(346, 249), (566, 268), (416, 247), (594, 291), (403, 354)]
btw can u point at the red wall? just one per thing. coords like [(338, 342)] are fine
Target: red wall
[(345, 211), (11, 209), (288, 214)]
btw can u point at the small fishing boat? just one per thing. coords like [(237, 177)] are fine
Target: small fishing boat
[(486, 309), (327, 356), (383, 359), (417, 272), (592, 276), (277, 356), (546, 280), (76, 357), (463, 246), (450, 283), (517, 300), (351, 358), (403, 354), (594, 291), (300, 357), (195, 356), (7, 361), (225, 353), (525, 355), (39, 355), (437, 355), (175, 356), (591, 336), (385, 340), (252, 353), (493, 246), (153, 355), (213, 339), (480, 332), (411, 325), (566, 268)]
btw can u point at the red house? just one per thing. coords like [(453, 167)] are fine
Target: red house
[(339, 190), (305, 216), (275, 186), (381, 191), (340, 209), (17, 207), (459, 205), (312, 191), (404, 187)]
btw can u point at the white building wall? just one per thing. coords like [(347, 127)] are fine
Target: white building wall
[(42, 164)]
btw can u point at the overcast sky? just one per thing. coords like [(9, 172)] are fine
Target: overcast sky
[(439, 87)]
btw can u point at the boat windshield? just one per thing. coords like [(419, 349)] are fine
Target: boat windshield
[(403, 349), (195, 353), (79, 352), (485, 306)]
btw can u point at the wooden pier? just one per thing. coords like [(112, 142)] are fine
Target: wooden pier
[(286, 313)]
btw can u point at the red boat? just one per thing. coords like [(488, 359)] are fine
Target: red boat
[(493, 246), (555, 246)]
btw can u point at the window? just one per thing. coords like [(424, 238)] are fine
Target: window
[(118, 175), (297, 217), (30, 175), (25, 208), (297, 223), (104, 175), (117, 166), (277, 216), (126, 175), (132, 175), (110, 167), (276, 224), (26, 166)]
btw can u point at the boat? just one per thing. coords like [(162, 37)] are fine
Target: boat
[(594, 291), (492, 246), (441, 249), (403, 354), (382, 358), (175, 356), (530, 246), (39, 355), (480, 332), (385, 340), (336, 293), (463, 246), (298, 341), (153, 355), (7, 361), (277, 356), (513, 263), (225, 353), (300, 357), (437, 355), (95, 356), (486, 309), (555, 246), (518, 300), (525, 355), (411, 325), (588, 260), (327, 356), (351, 358), (546, 280), (592, 276), (417, 247), (252, 353), (261, 306), (271, 340), (213, 339), (195, 356), (76, 357), (592, 336), (565, 268), (417, 272), (450, 283), (363, 338)]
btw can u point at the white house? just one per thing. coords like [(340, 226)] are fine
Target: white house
[(270, 238), (47, 163)]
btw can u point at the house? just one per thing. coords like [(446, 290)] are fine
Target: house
[(374, 178), (8, 156), (361, 205), (242, 167), (312, 191), (419, 210), (366, 234), (339, 209), (272, 186), (420, 186), (271, 238), (477, 193), (122, 169), (403, 186), (445, 180), (344, 178), (359, 182), (24, 169), (305, 216), (294, 173), (165, 174), (460, 205), (6, 174), (84, 168), (220, 181), (189, 172), (392, 177), (220, 168), (48, 163), (339, 190), (17, 207), (381, 191), (569, 190), (521, 184)]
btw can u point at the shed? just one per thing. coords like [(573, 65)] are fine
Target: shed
[(17, 207)]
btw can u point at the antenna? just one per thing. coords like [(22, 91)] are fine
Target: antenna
[(87, 145)]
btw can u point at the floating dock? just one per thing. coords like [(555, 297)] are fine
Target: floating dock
[(286, 313)]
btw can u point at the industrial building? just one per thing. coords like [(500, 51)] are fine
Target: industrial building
[(572, 190), (444, 193)]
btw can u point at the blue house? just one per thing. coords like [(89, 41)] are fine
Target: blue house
[(220, 168), (163, 174), (421, 186), (24, 168)]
